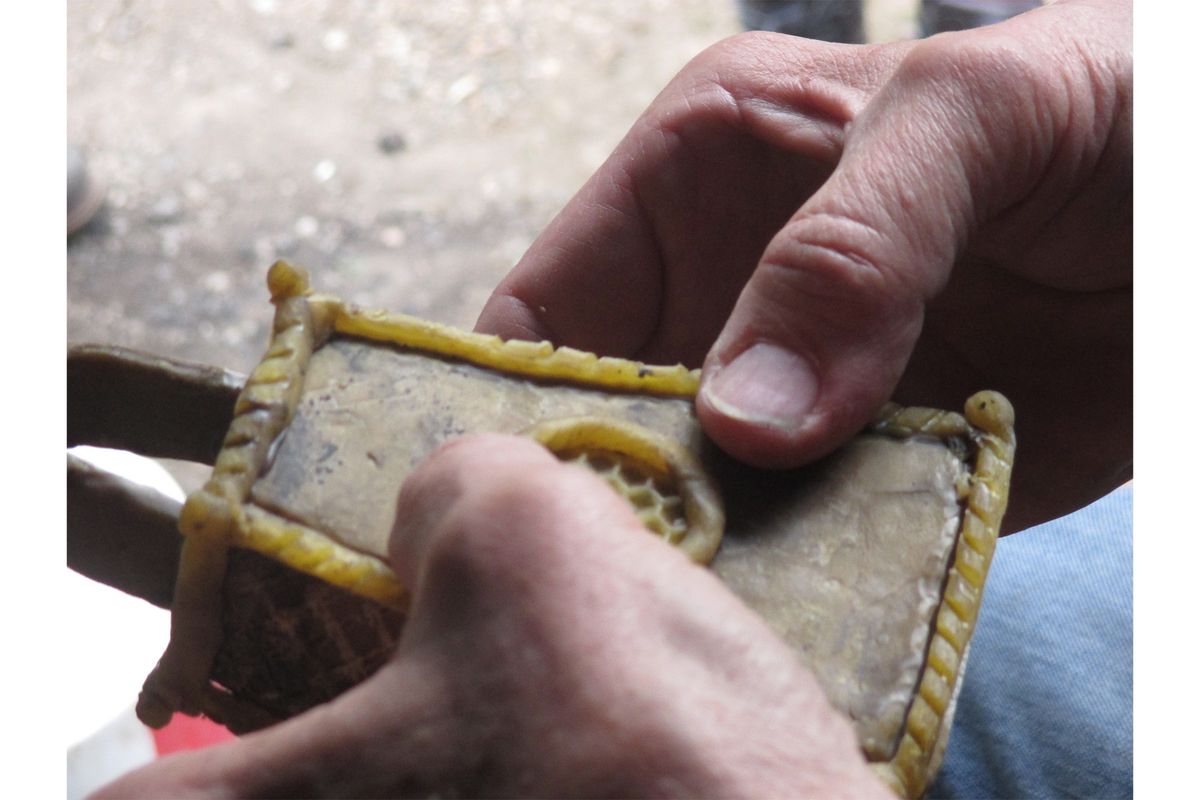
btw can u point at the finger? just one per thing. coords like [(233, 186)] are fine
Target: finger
[(823, 330), (647, 259), (150, 405), (542, 587), (491, 503), (502, 542), (541, 605), (475, 521), (385, 737)]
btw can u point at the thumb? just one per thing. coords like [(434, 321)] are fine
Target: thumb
[(823, 330)]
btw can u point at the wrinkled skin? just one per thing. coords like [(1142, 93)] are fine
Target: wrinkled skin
[(554, 649), (917, 219)]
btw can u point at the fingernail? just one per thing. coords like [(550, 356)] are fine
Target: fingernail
[(766, 385)]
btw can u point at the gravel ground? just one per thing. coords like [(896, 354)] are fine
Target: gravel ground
[(406, 153)]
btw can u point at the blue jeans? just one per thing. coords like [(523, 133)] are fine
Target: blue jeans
[(1046, 708)]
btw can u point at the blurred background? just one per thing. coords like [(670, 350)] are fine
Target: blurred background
[(406, 153)]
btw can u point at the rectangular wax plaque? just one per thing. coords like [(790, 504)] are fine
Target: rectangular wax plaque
[(870, 563)]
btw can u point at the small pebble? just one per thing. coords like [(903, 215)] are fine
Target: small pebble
[(264, 249), (168, 209), (286, 245), (335, 40), (462, 88), (170, 242), (392, 236), (281, 82), (324, 170), (306, 227), (391, 143), (195, 190), (217, 282)]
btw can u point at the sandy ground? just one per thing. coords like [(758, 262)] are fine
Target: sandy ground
[(406, 153)]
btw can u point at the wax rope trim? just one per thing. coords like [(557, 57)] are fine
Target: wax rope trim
[(211, 515), (989, 419), (218, 516)]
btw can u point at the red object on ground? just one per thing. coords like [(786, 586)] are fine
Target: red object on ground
[(189, 733)]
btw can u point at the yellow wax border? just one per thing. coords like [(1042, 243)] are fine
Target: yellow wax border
[(927, 724), (532, 359), (218, 516), (701, 505), (212, 516)]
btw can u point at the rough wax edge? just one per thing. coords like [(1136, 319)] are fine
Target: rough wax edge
[(516, 357), (912, 766), (313, 553), (211, 516)]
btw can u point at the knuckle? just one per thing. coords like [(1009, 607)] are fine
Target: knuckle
[(503, 524), (474, 537), (737, 49), (752, 59), (836, 260), (459, 462), (989, 72), (1001, 103), (470, 449), (748, 63), (449, 479), (980, 56)]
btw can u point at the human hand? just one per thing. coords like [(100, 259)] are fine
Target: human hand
[(554, 648), (827, 226)]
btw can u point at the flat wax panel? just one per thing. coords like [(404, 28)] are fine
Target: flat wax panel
[(371, 412), (845, 559)]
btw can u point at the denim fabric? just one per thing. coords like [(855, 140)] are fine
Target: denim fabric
[(1046, 707)]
